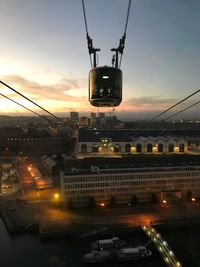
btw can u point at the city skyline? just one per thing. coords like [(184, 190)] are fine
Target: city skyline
[(44, 53)]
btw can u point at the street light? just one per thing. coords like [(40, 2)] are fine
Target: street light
[(56, 196), (193, 199)]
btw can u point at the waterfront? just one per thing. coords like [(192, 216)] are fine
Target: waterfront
[(27, 250)]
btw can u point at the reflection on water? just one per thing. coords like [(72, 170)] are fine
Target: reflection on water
[(27, 250)]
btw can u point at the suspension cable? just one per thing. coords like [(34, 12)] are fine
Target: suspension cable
[(127, 16), (165, 111), (93, 50), (173, 115), (86, 28), (125, 29), (8, 86), (160, 114), (26, 108), (85, 20)]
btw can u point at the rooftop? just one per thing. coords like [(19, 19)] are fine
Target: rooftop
[(124, 135), (136, 163)]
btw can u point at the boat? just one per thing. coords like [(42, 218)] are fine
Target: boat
[(97, 256), (136, 253), (114, 242)]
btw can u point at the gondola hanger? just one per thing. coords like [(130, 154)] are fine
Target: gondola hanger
[(105, 82)]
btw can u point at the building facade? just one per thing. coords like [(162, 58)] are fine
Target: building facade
[(124, 183), (126, 141), (74, 117)]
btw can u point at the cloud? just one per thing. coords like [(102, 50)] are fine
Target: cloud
[(57, 91), (153, 102)]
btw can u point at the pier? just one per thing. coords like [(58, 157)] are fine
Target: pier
[(17, 217), (168, 255)]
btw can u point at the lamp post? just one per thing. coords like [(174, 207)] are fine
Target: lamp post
[(56, 197)]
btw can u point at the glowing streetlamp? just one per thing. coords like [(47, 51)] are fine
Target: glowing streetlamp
[(56, 196), (193, 199), (164, 201), (102, 204)]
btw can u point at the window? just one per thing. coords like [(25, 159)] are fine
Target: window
[(171, 148), (138, 148), (83, 148), (149, 148), (128, 148), (181, 148), (160, 148)]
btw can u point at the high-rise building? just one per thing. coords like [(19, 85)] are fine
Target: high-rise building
[(101, 115), (74, 117), (83, 121), (93, 115)]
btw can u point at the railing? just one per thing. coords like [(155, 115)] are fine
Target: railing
[(162, 246)]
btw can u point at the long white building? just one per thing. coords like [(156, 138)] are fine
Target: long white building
[(166, 181), (127, 141)]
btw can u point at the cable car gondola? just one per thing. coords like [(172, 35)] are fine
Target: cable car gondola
[(105, 86), (105, 83)]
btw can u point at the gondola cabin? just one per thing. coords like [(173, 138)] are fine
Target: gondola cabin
[(105, 86)]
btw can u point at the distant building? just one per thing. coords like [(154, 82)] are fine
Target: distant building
[(102, 115), (37, 146), (74, 118), (122, 141), (124, 179), (84, 121), (93, 118), (93, 115)]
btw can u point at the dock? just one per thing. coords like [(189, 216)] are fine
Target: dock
[(17, 217), (168, 255)]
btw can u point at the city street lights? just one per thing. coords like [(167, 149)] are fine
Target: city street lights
[(56, 197), (193, 199)]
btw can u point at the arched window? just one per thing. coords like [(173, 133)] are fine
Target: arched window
[(149, 148), (128, 148), (138, 148), (160, 148), (181, 148), (171, 148), (83, 148), (95, 148), (117, 148)]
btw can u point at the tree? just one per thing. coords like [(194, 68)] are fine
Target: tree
[(154, 198), (70, 205), (189, 196), (112, 202), (91, 203), (134, 200)]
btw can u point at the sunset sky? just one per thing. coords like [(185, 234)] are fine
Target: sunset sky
[(43, 53)]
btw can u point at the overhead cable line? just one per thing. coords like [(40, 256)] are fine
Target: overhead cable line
[(25, 107), (173, 115), (163, 112), (118, 50), (11, 88), (89, 40), (125, 29)]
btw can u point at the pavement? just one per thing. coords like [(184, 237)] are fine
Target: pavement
[(45, 208)]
